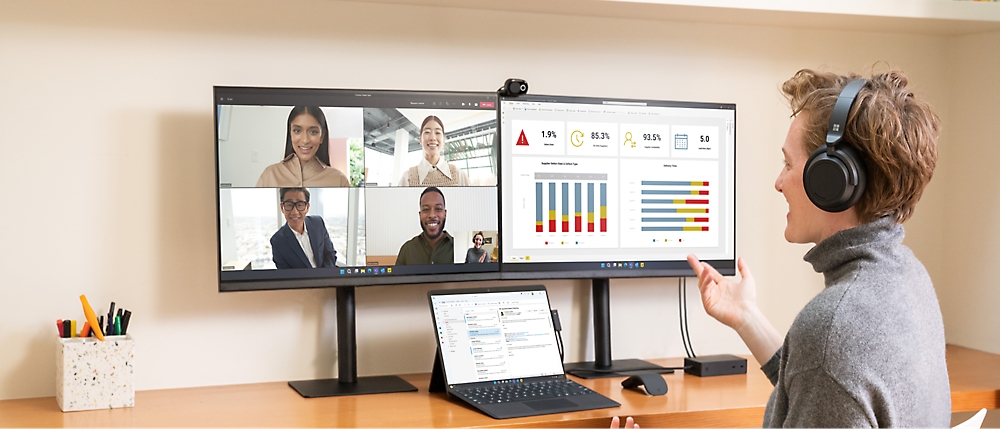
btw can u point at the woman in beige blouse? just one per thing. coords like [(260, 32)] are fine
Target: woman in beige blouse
[(433, 169), (307, 155)]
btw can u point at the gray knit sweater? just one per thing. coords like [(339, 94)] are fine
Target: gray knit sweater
[(869, 349)]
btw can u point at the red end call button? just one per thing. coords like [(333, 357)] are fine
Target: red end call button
[(486, 104)]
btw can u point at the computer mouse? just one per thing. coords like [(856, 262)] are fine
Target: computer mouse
[(654, 383)]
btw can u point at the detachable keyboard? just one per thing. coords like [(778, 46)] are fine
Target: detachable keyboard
[(516, 392)]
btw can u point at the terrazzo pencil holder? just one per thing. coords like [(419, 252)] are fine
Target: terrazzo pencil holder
[(93, 374)]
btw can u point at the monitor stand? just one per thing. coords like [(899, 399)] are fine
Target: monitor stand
[(349, 383), (603, 366)]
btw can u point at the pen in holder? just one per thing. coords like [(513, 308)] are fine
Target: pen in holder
[(93, 374)]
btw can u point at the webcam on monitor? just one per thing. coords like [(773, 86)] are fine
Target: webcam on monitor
[(513, 87)]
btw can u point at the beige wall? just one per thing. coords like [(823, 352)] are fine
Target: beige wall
[(106, 126), (970, 218)]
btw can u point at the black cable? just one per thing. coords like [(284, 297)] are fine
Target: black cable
[(559, 343), (686, 324), (685, 334), (680, 316)]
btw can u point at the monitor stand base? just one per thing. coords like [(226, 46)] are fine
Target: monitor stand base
[(364, 386), (618, 368)]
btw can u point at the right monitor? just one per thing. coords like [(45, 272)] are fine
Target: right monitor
[(604, 188)]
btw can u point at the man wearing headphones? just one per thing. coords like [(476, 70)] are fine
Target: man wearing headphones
[(869, 350)]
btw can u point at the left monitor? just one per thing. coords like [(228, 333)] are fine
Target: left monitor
[(337, 187)]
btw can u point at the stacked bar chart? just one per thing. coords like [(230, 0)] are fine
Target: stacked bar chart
[(559, 215), (669, 205)]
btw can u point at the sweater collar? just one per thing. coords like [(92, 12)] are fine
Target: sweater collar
[(852, 245)]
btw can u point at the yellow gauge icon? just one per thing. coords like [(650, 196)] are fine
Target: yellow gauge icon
[(576, 138)]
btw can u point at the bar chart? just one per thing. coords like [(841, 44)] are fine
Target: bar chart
[(559, 215), (660, 199), (567, 203), (669, 204)]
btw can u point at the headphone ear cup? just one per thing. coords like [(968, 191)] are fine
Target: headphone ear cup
[(834, 182)]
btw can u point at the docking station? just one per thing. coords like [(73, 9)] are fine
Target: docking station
[(707, 366)]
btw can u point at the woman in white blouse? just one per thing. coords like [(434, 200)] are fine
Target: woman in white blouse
[(433, 169)]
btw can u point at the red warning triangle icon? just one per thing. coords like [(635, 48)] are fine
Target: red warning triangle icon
[(522, 140)]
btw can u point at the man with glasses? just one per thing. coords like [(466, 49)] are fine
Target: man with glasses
[(434, 245), (303, 241)]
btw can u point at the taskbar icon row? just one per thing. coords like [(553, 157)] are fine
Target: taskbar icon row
[(366, 271), (626, 265), (623, 265)]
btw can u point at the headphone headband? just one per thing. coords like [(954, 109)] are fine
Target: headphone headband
[(838, 120)]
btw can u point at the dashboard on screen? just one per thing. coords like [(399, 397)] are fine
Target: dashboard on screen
[(595, 188), (323, 187)]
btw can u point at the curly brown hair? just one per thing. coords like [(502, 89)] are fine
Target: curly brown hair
[(893, 131)]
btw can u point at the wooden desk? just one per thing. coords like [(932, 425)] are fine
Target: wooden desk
[(727, 401)]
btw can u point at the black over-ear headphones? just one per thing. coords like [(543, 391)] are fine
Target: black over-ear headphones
[(834, 175)]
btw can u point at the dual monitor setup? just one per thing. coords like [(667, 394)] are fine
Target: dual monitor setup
[(345, 187)]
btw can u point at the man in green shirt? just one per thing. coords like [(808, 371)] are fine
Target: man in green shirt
[(434, 245)]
